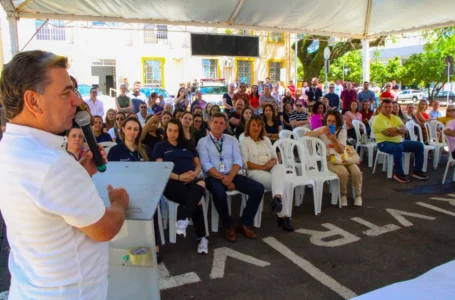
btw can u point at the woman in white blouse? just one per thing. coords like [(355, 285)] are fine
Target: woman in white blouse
[(257, 153)]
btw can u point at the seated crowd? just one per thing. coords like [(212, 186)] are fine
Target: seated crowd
[(211, 149)]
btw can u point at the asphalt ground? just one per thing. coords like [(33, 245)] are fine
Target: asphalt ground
[(298, 265)]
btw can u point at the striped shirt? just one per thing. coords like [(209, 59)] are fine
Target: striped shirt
[(45, 196), (298, 116)]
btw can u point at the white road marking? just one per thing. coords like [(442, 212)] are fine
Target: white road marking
[(219, 261), (375, 230), (438, 209), (398, 215), (310, 269), (167, 281), (317, 237), (449, 200)]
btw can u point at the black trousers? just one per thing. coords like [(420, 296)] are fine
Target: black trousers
[(188, 196)]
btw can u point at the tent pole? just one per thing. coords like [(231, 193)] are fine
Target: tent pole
[(12, 21), (295, 59), (366, 59)]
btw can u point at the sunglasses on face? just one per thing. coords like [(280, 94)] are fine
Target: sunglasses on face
[(119, 119), (451, 110), (298, 105)]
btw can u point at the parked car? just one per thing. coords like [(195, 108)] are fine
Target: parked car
[(410, 95), (84, 90), (212, 92), (148, 89), (442, 97)]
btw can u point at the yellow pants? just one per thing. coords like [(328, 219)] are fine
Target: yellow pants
[(343, 172)]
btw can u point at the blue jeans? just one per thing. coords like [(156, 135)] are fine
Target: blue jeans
[(243, 184), (397, 149)]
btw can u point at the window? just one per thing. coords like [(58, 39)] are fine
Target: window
[(210, 68), (153, 71), (155, 34), (244, 71), (275, 37), (274, 71), (54, 30)]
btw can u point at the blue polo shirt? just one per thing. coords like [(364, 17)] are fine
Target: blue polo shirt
[(334, 99), (121, 152), (182, 157), (103, 137)]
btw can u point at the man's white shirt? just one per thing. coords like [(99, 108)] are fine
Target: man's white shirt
[(141, 118), (97, 108), (45, 196)]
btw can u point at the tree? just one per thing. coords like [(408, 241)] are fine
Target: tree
[(378, 72), (313, 61), (352, 63), (426, 68)]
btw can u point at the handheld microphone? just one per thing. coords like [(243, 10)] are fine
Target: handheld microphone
[(83, 120)]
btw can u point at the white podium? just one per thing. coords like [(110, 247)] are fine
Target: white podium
[(145, 183)]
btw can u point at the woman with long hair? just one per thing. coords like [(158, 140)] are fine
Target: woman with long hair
[(367, 113), (351, 115), (396, 110), (165, 117), (287, 109), (181, 100), (318, 114), (133, 150), (199, 128), (187, 123), (75, 142), (109, 120), (422, 117), (258, 159), (98, 130), (335, 143), (114, 132), (254, 98), (184, 186), (150, 134), (206, 112), (246, 115), (450, 115), (271, 125)]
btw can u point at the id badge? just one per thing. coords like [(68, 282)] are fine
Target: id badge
[(222, 168), (263, 159)]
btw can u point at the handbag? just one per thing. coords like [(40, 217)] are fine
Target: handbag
[(348, 157), (363, 139)]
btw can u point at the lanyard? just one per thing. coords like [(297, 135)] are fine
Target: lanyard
[(136, 158), (219, 146)]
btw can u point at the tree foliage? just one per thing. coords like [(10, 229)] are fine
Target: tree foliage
[(313, 61)]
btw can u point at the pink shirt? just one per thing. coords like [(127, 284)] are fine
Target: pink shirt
[(316, 121), (357, 116)]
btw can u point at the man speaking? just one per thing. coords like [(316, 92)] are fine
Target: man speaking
[(57, 223)]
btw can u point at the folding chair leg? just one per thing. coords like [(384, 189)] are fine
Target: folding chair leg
[(370, 157), (445, 172), (215, 217)]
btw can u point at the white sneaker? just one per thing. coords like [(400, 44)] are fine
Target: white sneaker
[(180, 227), (358, 201), (203, 247), (344, 201)]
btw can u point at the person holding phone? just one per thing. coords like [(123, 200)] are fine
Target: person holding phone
[(334, 136)]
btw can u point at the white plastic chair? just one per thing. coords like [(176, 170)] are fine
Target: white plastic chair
[(258, 217), (387, 162), (370, 121), (370, 146), (300, 131), (315, 148), (107, 146), (411, 125), (450, 161), (286, 134), (172, 218), (291, 178), (433, 140), (215, 215)]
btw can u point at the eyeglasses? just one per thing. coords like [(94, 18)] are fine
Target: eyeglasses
[(120, 119), (298, 105), (197, 121)]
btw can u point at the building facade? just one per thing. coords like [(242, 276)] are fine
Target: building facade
[(104, 53)]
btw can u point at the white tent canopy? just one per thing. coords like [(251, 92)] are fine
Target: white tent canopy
[(343, 18)]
